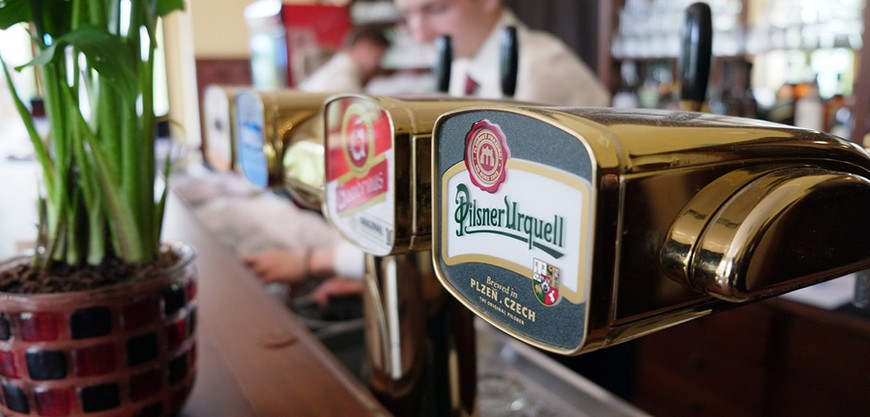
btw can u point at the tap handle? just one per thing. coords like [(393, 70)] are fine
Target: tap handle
[(509, 60), (444, 52), (695, 56), (861, 298)]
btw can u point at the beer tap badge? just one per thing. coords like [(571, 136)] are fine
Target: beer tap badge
[(359, 164), (513, 222), (486, 155)]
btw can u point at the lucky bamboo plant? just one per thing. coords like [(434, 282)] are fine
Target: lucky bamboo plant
[(95, 63)]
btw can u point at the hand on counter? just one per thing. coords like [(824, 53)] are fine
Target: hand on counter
[(336, 287), (291, 266), (295, 267)]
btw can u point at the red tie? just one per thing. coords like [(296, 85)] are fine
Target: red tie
[(470, 86)]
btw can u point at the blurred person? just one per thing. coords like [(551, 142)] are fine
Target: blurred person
[(549, 72), (341, 265), (351, 68)]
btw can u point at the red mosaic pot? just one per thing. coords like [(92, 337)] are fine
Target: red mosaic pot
[(121, 351)]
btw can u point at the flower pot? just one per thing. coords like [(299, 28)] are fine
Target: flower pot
[(124, 350)]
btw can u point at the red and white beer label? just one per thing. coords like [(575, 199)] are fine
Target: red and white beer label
[(359, 178)]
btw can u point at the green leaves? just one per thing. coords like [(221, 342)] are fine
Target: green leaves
[(13, 12), (164, 7), (99, 165), (107, 54)]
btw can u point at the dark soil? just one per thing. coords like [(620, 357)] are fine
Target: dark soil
[(26, 279)]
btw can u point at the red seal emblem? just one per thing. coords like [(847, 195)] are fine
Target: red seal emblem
[(486, 155), (358, 137)]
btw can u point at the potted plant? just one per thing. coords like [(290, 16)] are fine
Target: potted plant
[(100, 317)]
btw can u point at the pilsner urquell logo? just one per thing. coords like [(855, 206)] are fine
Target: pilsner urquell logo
[(486, 155), (509, 221)]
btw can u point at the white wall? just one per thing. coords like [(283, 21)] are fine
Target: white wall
[(219, 29)]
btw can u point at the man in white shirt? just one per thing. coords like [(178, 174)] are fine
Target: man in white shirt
[(349, 69), (549, 72)]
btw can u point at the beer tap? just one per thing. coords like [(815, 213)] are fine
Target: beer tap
[(862, 290), (377, 194), (576, 229), (695, 55), (509, 61), (219, 138), (443, 60), (420, 343), (267, 124)]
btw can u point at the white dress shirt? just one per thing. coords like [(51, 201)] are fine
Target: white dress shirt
[(549, 72)]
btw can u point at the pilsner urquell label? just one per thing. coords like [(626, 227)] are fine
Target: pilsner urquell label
[(513, 223)]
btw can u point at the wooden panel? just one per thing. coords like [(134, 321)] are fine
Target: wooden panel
[(823, 367), (669, 393), (773, 358), (723, 356), (232, 71)]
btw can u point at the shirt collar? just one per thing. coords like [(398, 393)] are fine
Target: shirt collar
[(486, 62)]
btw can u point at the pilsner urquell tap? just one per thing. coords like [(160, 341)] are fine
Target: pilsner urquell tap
[(575, 229), (267, 124)]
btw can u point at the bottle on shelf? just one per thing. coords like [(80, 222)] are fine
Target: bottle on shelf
[(626, 96), (783, 108), (839, 119), (733, 94), (809, 110)]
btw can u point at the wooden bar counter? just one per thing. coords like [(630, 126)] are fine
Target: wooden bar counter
[(254, 357)]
